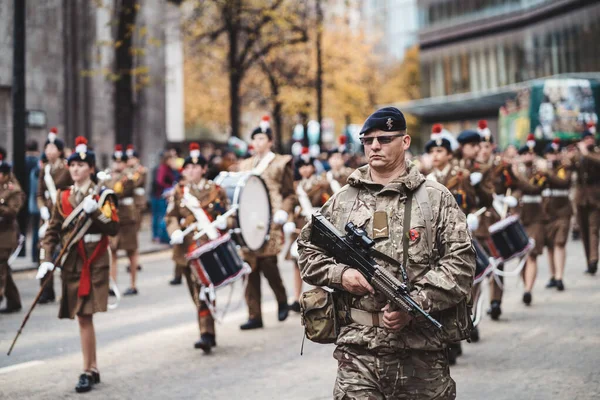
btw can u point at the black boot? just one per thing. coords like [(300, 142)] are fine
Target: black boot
[(47, 296), (86, 381), (527, 298), (111, 293), (592, 268), (295, 307), (10, 309), (130, 292), (175, 281), (560, 285), (206, 342), (474, 336), (283, 312), (551, 283), (252, 324), (495, 310)]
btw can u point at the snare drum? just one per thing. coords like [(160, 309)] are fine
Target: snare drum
[(510, 238), (253, 217), (217, 262), (483, 265)]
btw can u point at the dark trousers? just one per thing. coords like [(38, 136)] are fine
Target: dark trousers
[(268, 267), (8, 288), (589, 223), (206, 323)]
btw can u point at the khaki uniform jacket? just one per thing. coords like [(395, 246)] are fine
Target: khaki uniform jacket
[(342, 175), (588, 178), (62, 180), (279, 178), (213, 200), (556, 203), (530, 184), (123, 185), (139, 175), (318, 190), (440, 279), (11, 201), (105, 222)]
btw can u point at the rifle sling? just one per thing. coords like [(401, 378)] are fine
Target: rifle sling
[(406, 237)]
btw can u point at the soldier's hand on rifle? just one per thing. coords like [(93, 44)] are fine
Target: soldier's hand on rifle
[(355, 283), (89, 204), (43, 269), (395, 320)]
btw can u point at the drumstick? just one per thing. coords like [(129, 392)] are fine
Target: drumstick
[(226, 214), (480, 211), (505, 210)]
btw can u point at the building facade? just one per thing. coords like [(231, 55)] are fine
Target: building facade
[(69, 58), (476, 55)]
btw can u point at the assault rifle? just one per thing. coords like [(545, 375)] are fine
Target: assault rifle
[(354, 250)]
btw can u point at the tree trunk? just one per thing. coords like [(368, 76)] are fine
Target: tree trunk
[(278, 125), (124, 106), (235, 106), (319, 80)]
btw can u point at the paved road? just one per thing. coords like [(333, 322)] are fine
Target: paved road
[(547, 351)]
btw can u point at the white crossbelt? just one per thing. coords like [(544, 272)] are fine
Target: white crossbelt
[(127, 201), (555, 192), (92, 237), (366, 318), (527, 198)]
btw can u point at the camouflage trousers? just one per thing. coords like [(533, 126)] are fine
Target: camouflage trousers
[(408, 374)]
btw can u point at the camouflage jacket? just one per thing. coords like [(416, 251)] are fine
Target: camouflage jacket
[(440, 279)]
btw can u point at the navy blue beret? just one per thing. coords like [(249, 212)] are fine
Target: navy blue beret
[(586, 133), (469, 137), (387, 119), (438, 142)]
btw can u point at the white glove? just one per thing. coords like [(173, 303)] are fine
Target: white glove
[(289, 228), (45, 213), (475, 178), (280, 217), (511, 201), (42, 230), (89, 204), (177, 237), (103, 176), (221, 223), (472, 222), (43, 269)]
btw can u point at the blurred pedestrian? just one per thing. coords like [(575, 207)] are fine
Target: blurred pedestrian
[(163, 179), (32, 157)]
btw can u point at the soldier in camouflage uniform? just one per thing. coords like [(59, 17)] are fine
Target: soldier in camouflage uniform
[(384, 354)]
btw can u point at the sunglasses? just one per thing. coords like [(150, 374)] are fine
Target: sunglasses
[(383, 140)]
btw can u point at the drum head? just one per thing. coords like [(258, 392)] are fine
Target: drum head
[(254, 213)]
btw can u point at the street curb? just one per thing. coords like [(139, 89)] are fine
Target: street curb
[(33, 267)]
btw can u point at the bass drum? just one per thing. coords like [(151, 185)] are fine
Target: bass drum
[(253, 218)]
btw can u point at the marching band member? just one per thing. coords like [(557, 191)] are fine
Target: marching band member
[(54, 176), (338, 173), (312, 192), (531, 180), (278, 175), (139, 174), (586, 162), (11, 201), (196, 195), (85, 266), (557, 211), (123, 184)]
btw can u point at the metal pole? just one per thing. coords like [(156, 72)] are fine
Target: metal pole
[(18, 103)]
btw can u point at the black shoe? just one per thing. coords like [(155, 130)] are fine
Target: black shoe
[(592, 268), (252, 324), (283, 312), (10, 310), (495, 310), (86, 381), (139, 268), (130, 292), (206, 342), (527, 298), (96, 376), (551, 283), (474, 335), (295, 307), (111, 293), (175, 281), (575, 235), (560, 286), (47, 296)]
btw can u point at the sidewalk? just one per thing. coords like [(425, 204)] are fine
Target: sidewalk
[(146, 245)]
